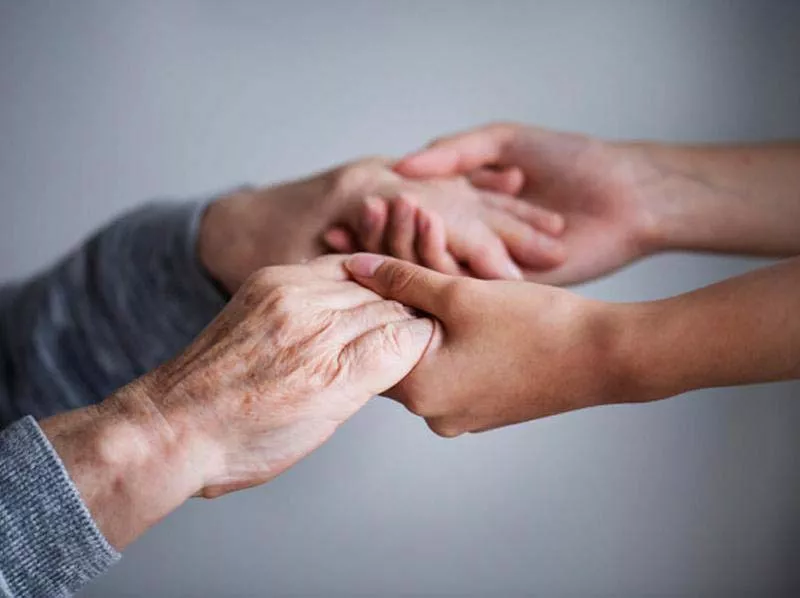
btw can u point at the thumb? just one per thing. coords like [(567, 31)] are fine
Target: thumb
[(407, 283), (509, 181)]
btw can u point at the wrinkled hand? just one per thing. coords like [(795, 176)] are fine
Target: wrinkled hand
[(503, 353), (297, 351), (596, 186)]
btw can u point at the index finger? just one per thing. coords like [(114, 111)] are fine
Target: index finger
[(327, 267)]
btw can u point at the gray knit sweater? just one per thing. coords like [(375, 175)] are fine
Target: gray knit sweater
[(121, 304)]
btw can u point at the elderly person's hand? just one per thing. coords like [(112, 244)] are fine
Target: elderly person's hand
[(598, 188), (297, 351), (340, 209), (452, 226)]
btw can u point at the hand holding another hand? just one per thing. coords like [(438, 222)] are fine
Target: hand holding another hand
[(503, 352), (297, 351), (600, 189), (340, 209)]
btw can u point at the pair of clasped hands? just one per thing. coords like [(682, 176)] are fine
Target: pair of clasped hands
[(300, 348), (439, 296)]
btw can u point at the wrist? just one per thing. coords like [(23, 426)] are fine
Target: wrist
[(130, 467), (644, 356), (224, 247), (678, 203)]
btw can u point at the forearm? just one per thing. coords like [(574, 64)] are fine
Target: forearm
[(741, 331), (129, 465), (80, 486), (736, 199), (127, 300)]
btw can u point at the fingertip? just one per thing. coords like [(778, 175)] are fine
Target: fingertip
[(364, 265), (554, 223), (374, 208), (429, 162), (340, 240), (493, 267)]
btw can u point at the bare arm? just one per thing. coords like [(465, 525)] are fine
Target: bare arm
[(733, 199), (743, 330), (510, 352), (623, 201)]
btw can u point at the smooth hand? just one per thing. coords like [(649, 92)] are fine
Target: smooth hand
[(597, 187), (503, 352)]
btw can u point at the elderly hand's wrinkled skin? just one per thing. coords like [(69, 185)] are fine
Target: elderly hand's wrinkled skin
[(297, 352), (290, 223), (505, 352)]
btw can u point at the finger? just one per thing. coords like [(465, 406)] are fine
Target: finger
[(401, 228), (340, 239), (460, 153), (327, 267), (486, 255), (545, 220), (379, 359), (372, 224), (432, 243), (529, 247), (375, 314), (402, 281), (304, 294), (508, 180)]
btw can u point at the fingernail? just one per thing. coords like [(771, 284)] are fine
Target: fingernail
[(424, 222), (549, 243), (556, 224), (364, 264), (513, 271), (368, 213)]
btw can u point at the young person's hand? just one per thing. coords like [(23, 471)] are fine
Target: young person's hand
[(596, 187), (507, 352), (503, 352), (622, 201)]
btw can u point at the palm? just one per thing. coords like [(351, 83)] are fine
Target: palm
[(592, 186)]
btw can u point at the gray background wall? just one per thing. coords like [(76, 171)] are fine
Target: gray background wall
[(106, 104)]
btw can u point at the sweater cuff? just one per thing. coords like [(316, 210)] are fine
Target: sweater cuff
[(49, 543), (209, 291)]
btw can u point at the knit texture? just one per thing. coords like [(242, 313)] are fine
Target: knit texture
[(51, 546)]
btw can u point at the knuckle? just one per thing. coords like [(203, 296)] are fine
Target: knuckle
[(395, 339), (416, 404), (261, 279), (281, 299), (459, 294), (445, 428), (399, 279)]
